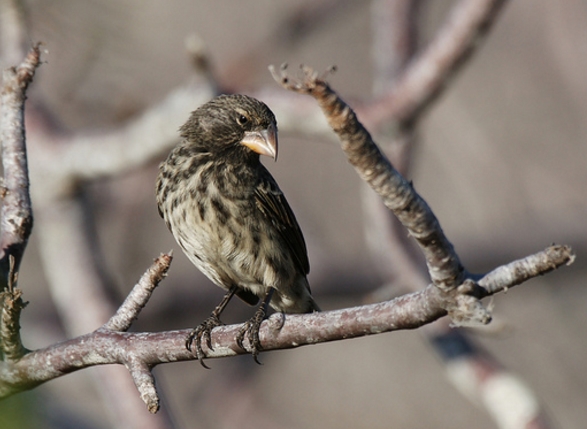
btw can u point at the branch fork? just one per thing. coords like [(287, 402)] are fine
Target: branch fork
[(453, 291)]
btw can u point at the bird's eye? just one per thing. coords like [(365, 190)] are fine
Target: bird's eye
[(242, 120)]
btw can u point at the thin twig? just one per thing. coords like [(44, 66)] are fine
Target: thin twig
[(519, 271), (11, 304), (140, 295), (145, 383)]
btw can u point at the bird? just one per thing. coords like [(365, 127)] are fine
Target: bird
[(230, 217)]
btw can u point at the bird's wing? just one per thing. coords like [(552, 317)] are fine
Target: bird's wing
[(272, 203)]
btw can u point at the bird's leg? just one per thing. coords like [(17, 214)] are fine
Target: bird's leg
[(251, 327), (204, 329)]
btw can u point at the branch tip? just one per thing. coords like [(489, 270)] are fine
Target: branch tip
[(26, 70), (128, 312), (145, 382), (376, 170), (307, 81)]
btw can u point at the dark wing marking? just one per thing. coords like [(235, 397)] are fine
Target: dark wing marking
[(272, 203), (247, 296)]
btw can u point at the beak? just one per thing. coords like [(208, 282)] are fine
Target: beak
[(263, 142)]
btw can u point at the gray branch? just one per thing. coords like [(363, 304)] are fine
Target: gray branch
[(425, 78), (139, 296), (140, 352), (17, 216), (374, 168), (16, 212)]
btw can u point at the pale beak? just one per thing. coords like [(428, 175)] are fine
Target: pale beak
[(263, 142)]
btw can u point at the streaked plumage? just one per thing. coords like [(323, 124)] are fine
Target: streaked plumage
[(228, 214)]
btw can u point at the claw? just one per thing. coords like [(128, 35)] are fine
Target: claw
[(252, 333), (202, 332), (250, 329)]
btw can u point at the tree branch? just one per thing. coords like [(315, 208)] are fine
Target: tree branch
[(139, 296), (16, 214), (472, 369), (425, 78), (397, 193), (141, 351), (11, 305)]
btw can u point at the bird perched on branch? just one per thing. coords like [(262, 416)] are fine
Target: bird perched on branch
[(229, 216)]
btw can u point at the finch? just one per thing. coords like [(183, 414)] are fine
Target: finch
[(229, 216)]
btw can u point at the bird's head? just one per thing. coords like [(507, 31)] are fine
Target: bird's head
[(233, 125)]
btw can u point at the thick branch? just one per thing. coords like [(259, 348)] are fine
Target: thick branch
[(145, 350), (397, 193), (16, 218)]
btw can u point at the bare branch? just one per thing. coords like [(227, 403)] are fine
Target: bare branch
[(81, 282), (90, 156), (140, 295), (521, 270), (397, 193), (473, 370), (394, 28), (13, 32), (141, 351), (483, 381), (11, 304), (16, 213), (145, 382), (425, 78), (16, 218)]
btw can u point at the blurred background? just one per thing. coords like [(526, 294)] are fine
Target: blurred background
[(501, 159)]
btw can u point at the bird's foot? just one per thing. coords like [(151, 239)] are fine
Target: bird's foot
[(202, 333), (250, 329)]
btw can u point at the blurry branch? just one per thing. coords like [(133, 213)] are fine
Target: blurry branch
[(83, 157), (415, 215), (140, 352), (64, 162), (14, 41), (486, 383), (398, 70), (394, 32), (428, 74)]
